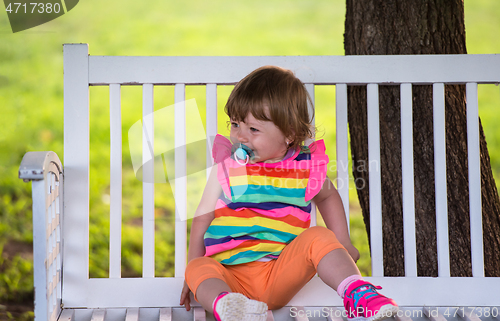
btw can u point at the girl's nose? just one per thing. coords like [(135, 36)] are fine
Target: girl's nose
[(242, 138)]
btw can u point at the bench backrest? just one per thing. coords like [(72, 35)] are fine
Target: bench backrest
[(82, 71)]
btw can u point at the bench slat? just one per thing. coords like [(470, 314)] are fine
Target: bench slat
[(199, 314), (98, 315), (417, 69), (410, 244), (476, 225), (67, 315), (148, 223), (470, 315), (132, 314), (165, 314), (211, 117), (310, 91), (115, 189), (375, 181), (439, 122), (342, 147), (433, 314), (180, 181), (301, 314), (401, 316), (334, 314)]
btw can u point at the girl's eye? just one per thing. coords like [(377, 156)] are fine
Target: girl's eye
[(234, 125), (254, 129)]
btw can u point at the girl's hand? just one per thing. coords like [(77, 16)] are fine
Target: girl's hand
[(185, 297)]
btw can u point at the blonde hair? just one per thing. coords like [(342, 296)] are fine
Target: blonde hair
[(285, 97)]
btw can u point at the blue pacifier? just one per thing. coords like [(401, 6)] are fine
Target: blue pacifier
[(242, 154)]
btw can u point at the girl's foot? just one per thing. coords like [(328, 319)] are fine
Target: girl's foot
[(237, 307), (363, 303)]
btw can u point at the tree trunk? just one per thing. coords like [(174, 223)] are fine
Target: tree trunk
[(395, 27)]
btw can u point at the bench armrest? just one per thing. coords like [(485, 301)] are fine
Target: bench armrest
[(35, 164), (45, 171)]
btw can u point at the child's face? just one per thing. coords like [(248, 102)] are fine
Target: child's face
[(264, 138)]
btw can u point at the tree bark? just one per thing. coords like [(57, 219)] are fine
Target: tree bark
[(397, 27)]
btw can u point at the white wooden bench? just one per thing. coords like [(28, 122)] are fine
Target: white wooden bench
[(63, 288)]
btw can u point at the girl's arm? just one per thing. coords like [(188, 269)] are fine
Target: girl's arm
[(331, 208), (203, 216)]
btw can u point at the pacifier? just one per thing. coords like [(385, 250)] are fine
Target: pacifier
[(242, 154)]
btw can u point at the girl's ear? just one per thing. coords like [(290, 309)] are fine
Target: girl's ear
[(290, 139)]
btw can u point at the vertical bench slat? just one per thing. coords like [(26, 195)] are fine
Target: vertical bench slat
[(410, 245), (76, 172), (40, 235), (211, 118), (476, 224), (334, 314), (98, 315), (52, 242), (342, 147), (434, 314), (375, 182), (180, 180), (470, 315), (402, 316), (439, 123), (310, 90), (165, 314), (67, 315), (148, 192), (301, 314), (115, 189), (132, 314), (199, 314)]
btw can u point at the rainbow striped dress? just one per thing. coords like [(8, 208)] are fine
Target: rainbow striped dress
[(264, 206)]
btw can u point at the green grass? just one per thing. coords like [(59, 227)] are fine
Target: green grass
[(31, 103)]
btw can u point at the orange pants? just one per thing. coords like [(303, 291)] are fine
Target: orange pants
[(275, 282)]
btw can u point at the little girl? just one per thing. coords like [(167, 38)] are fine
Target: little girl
[(251, 248)]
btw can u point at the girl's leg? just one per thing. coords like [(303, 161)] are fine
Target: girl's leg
[(297, 264), (318, 250), (207, 278), (210, 281), (335, 267), (208, 291), (361, 299)]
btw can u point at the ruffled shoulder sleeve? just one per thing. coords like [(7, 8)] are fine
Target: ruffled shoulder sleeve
[(221, 148), (317, 168), (221, 152)]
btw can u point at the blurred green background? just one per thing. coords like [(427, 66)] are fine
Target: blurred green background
[(31, 104)]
